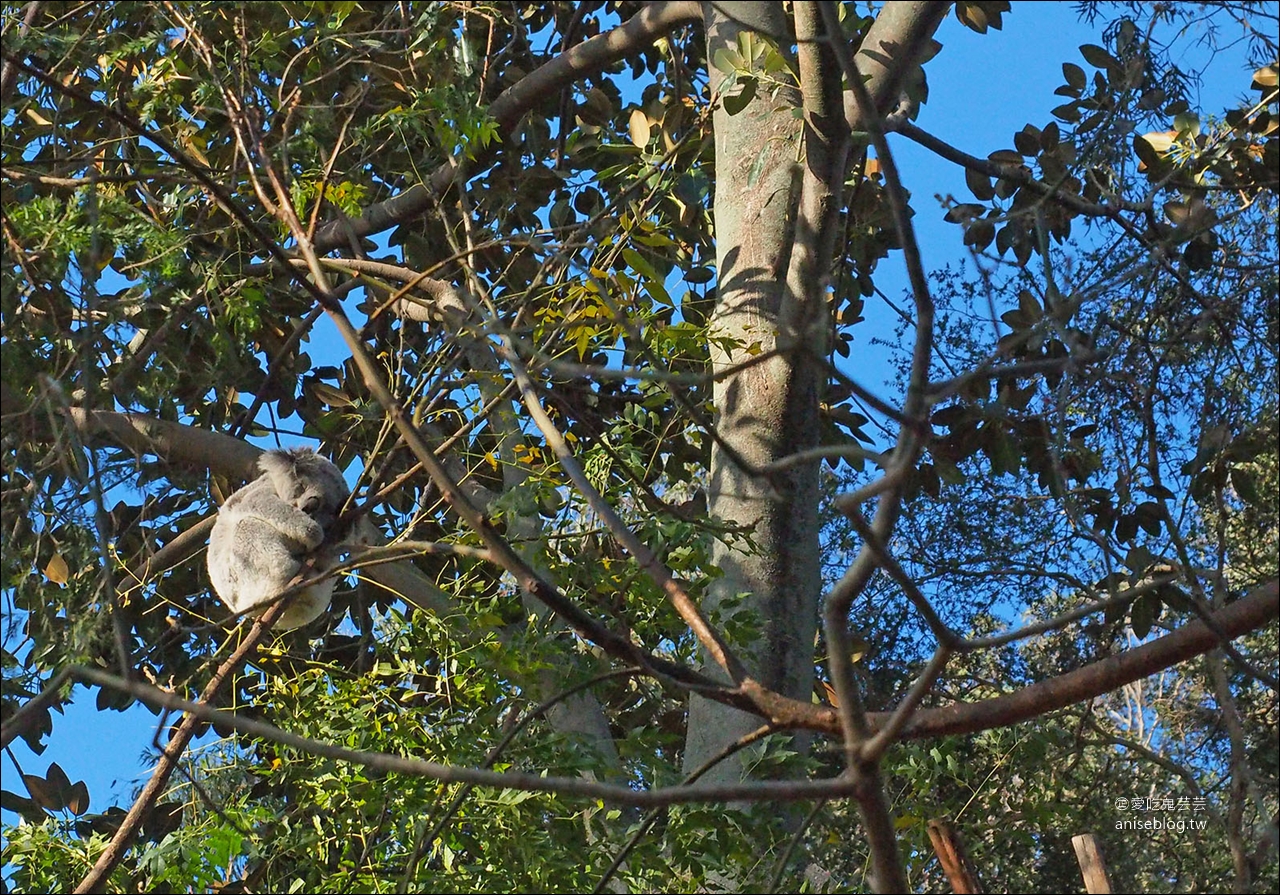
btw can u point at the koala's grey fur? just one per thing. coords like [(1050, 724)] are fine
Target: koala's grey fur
[(268, 530)]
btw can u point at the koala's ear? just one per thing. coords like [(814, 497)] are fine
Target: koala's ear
[(290, 461), (276, 463), (316, 470), (281, 468)]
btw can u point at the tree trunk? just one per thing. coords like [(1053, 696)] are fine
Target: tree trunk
[(765, 411), (775, 226)]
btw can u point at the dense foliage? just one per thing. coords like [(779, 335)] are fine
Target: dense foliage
[(485, 226)]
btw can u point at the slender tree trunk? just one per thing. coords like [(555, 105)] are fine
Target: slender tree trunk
[(765, 411), (776, 221)]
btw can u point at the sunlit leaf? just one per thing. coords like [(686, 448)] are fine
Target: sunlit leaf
[(56, 569), (638, 127)]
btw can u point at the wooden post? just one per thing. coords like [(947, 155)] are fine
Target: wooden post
[(951, 855), (1092, 867)]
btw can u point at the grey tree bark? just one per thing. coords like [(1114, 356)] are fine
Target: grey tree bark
[(775, 221)]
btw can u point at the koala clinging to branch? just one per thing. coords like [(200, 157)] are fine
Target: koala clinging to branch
[(269, 530)]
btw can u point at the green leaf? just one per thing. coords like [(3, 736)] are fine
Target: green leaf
[(1067, 112), (1050, 137), (1005, 157), (979, 234), (1027, 141), (1187, 124), (1002, 451), (1138, 559), (1144, 614), (727, 60), (1075, 76), (45, 794), (1029, 306), (78, 798), (1266, 78), (11, 801), (963, 212), (737, 100), (1150, 150), (1126, 528), (638, 128), (1150, 516), (1245, 484), (1098, 57), (639, 264), (979, 184)]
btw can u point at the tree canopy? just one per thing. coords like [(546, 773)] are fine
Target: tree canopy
[(661, 578)]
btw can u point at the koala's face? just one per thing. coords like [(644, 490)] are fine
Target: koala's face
[(318, 500), (309, 482)]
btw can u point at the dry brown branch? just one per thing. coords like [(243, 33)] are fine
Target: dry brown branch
[(951, 855)]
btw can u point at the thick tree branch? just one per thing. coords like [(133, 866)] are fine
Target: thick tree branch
[(9, 71), (1259, 608), (900, 37), (137, 432), (199, 449), (895, 42), (827, 141)]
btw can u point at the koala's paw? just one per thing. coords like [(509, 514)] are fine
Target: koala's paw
[(312, 534)]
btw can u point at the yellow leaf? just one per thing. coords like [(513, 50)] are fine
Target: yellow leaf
[(1160, 141), (57, 571), (668, 139), (857, 649), (830, 692), (639, 128), (189, 146), (492, 459)]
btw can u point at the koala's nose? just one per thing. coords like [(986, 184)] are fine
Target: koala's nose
[(311, 504)]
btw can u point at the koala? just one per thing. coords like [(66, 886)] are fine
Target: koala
[(270, 529)]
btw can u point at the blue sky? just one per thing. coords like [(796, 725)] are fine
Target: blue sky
[(982, 89)]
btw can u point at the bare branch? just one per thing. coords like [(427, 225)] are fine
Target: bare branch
[(1259, 608)]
